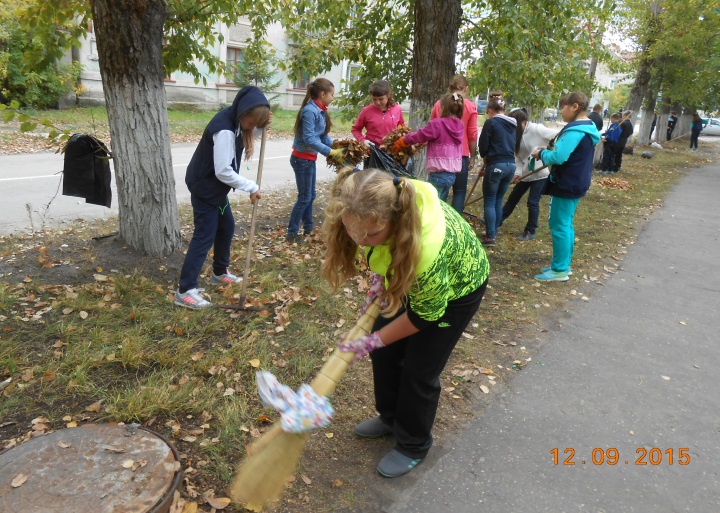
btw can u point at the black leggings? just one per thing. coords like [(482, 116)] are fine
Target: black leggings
[(694, 139), (406, 374)]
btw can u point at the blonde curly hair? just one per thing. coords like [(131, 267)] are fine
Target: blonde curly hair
[(373, 196)]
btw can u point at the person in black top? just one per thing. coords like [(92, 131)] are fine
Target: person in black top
[(626, 131), (596, 117), (672, 121)]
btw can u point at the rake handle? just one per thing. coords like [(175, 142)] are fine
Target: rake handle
[(246, 271)]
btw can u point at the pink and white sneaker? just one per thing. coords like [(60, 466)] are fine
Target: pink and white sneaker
[(225, 279), (192, 299)]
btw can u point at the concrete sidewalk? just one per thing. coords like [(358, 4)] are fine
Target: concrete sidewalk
[(634, 369)]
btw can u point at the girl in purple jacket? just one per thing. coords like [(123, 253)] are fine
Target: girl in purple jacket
[(444, 136)]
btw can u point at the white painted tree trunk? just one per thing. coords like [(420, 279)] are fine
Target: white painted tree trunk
[(129, 37), (434, 51)]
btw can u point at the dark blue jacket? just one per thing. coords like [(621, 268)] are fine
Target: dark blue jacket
[(497, 139), (571, 160), (200, 175), (696, 126)]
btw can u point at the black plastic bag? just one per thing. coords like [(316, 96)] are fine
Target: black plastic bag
[(86, 170), (380, 159)]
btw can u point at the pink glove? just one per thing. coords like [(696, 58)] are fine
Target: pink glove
[(377, 288), (362, 346)]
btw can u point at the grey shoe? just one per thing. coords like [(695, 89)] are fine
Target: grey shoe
[(373, 428), (526, 236), (295, 238), (395, 464)]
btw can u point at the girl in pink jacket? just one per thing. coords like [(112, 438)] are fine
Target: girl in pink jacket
[(444, 136), (379, 118)]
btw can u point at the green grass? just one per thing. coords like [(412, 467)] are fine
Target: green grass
[(190, 375), (183, 122)]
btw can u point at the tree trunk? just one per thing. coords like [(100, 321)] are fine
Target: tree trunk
[(648, 113), (640, 87), (437, 24), (130, 43)]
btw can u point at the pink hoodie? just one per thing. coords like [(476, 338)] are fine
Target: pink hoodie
[(377, 124), (469, 120), (444, 137)]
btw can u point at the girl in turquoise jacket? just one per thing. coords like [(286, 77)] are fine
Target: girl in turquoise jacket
[(571, 161)]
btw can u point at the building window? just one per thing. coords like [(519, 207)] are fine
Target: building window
[(353, 72), (234, 57), (302, 82)]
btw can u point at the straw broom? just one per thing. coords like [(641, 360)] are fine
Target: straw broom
[(273, 457)]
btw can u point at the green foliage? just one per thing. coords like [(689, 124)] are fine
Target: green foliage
[(258, 68), (619, 97), (533, 51), (679, 43), (39, 85)]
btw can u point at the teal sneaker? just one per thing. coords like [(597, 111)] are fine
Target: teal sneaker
[(552, 276), (546, 269)]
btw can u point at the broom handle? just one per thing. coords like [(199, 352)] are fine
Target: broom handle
[(338, 363), (246, 272)]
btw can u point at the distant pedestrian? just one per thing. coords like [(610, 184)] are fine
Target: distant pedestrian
[(605, 113), (695, 129), (213, 170), (653, 124), (626, 131), (610, 142), (569, 180), (596, 117), (672, 121)]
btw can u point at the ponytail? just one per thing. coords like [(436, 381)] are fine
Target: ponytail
[(314, 89)]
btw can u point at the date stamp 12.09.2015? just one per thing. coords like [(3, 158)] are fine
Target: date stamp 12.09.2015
[(611, 456)]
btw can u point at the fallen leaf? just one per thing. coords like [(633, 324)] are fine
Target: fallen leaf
[(19, 480), (255, 363), (64, 445), (666, 378), (219, 502), (83, 314), (485, 389), (95, 407), (683, 323), (190, 507), (128, 463), (329, 435), (71, 424), (306, 479), (100, 277), (49, 376)]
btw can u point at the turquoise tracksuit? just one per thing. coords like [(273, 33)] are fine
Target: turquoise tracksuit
[(571, 162)]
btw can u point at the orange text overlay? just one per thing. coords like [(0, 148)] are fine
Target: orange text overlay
[(611, 456)]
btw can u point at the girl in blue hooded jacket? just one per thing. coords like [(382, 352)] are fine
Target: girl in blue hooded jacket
[(571, 161), (212, 172)]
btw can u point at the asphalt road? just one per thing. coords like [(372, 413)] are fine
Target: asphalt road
[(629, 376), (34, 179)]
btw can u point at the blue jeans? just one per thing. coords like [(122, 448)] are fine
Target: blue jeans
[(533, 203), (562, 213), (460, 186), (305, 181), (495, 183), (213, 227), (443, 181)]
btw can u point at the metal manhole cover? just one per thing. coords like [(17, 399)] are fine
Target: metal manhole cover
[(94, 468)]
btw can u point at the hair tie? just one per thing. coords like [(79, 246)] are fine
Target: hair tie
[(312, 84), (501, 103), (456, 96)]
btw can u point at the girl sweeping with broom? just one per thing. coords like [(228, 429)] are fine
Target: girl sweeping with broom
[(430, 273)]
